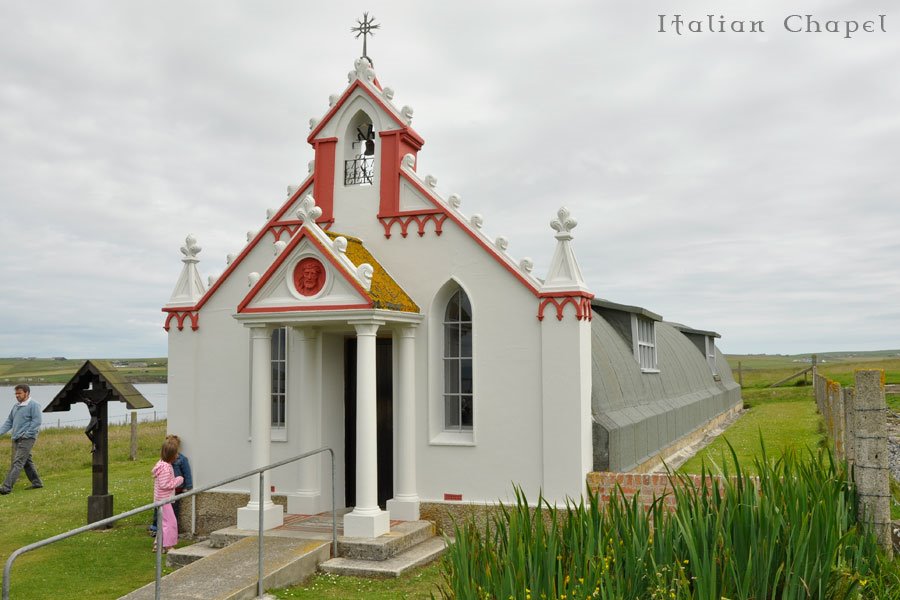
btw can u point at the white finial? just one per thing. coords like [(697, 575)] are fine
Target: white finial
[(332, 99), (339, 244), (388, 93), (312, 123), (365, 273), (527, 264), (362, 69), (279, 247), (250, 235), (189, 287), (563, 224), (311, 166), (190, 249), (407, 113), (477, 221), (431, 181), (502, 243), (291, 190), (564, 273), (409, 161), (455, 201), (253, 279), (308, 210), (212, 279), (270, 212), (229, 258)]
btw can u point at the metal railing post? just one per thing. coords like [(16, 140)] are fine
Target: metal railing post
[(262, 483)]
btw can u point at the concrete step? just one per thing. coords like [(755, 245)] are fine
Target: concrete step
[(181, 557), (401, 537), (418, 555), (231, 572)]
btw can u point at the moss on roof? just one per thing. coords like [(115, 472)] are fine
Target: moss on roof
[(104, 374), (385, 292)]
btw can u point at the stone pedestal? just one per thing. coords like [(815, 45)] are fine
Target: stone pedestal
[(99, 507), (366, 525)]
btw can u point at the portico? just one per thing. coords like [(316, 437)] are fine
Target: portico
[(367, 519)]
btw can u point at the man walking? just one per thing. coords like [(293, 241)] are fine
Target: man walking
[(24, 421)]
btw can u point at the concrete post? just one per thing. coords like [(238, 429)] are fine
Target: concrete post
[(740, 374), (307, 499), (367, 520), (870, 447), (261, 429), (405, 503), (849, 426)]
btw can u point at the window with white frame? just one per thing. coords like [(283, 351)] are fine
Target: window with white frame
[(458, 382), (279, 376), (644, 331), (711, 353)]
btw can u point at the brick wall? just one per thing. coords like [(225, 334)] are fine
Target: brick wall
[(646, 485)]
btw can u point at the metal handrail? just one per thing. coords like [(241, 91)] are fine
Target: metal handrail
[(158, 505)]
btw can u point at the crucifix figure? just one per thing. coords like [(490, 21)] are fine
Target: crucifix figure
[(92, 431), (366, 27)]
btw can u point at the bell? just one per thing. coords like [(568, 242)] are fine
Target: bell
[(370, 148)]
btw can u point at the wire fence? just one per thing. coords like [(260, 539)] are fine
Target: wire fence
[(143, 417)]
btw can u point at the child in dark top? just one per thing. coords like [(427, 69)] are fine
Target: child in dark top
[(182, 468)]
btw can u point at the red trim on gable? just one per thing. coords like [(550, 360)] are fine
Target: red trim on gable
[(242, 307), (323, 174), (181, 315), (465, 227), (278, 309), (252, 244), (579, 299), (420, 217), (394, 146), (359, 84)]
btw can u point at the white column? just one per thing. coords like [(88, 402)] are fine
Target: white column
[(261, 417), (367, 519), (308, 497), (405, 503)]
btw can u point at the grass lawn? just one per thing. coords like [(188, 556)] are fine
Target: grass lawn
[(97, 564), (417, 585), (785, 416)]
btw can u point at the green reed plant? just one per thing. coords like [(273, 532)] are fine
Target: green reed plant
[(791, 532)]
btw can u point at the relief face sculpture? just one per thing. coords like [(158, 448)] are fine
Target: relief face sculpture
[(309, 276)]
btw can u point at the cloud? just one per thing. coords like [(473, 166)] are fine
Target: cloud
[(740, 183)]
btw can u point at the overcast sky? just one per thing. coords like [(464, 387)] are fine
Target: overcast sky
[(746, 183)]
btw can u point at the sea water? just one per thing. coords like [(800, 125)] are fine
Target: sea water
[(78, 416)]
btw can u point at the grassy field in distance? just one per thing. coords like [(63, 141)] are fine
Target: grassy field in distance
[(38, 371)]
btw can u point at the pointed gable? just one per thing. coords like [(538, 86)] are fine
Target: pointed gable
[(323, 271)]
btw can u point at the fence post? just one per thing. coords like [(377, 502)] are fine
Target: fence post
[(740, 375), (849, 427), (870, 447), (134, 436)]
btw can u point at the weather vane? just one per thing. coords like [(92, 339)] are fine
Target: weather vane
[(366, 27)]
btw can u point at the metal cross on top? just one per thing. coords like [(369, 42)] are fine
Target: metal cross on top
[(366, 27)]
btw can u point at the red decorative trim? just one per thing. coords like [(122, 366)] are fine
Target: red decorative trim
[(452, 497), (376, 99), (420, 217), (242, 307), (279, 229), (181, 315), (580, 300), (276, 309), (466, 227)]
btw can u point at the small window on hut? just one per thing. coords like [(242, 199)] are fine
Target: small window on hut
[(644, 336)]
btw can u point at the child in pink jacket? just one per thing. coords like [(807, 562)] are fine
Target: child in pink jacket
[(164, 484)]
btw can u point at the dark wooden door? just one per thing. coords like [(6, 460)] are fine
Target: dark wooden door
[(384, 399)]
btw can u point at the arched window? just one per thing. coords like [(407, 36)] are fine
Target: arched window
[(359, 151), (458, 388)]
